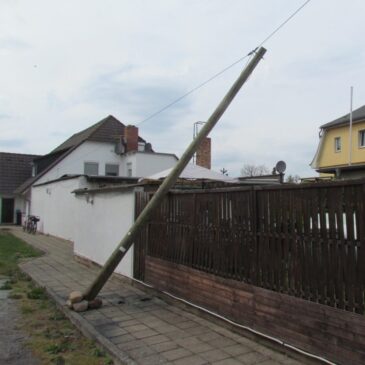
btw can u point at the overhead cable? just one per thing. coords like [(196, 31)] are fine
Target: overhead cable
[(225, 69)]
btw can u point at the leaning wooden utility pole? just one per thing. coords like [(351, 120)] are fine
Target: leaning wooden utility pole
[(169, 182)]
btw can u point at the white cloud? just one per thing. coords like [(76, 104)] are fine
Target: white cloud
[(65, 65)]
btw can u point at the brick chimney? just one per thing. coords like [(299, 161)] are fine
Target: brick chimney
[(203, 154), (131, 138)]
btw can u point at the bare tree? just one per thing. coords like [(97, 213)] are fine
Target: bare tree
[(254, 170), (293, 179)]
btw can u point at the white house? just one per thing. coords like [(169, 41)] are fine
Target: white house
[(107, 153)]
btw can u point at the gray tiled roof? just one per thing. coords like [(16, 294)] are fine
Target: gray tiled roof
[(357, 116), (15, 168), (108, 129), (79, 137)]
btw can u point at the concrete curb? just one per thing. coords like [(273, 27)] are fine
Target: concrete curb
[(119, 357)]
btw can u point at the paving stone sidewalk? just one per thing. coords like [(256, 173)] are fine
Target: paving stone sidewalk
[(138, 328)]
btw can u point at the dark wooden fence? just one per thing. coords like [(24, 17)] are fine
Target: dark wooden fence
[(306, 241)]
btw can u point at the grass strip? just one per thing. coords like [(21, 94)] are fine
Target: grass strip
[(53, 339)]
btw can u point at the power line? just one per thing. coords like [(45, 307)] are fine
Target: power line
[(283, 23), (225, 69), (192, 90)]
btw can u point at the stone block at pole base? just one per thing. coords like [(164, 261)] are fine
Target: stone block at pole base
[(80, 306), (75, 297), (95, 303)]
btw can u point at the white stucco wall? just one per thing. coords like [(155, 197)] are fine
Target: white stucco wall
[(101, 222), (129, 158), (19, 204), (56, 205), (151, 163), (143, 164), (95, 222), (102, 153)]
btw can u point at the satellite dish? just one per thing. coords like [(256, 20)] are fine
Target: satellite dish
[(280, 167)]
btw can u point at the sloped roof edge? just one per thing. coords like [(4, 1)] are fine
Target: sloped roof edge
[(357, 116), (192, 172)]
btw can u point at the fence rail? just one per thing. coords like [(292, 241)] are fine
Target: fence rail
[(307, 241)]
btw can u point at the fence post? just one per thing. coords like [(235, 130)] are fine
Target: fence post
[(254, 223), (137, 243), (361, 263), (193, 232)]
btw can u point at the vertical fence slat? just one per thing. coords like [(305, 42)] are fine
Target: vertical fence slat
[(361, 251), (349, 204)]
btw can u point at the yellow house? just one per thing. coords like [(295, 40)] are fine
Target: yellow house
[(337, 153)]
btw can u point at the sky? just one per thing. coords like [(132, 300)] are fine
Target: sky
[(64, 65)]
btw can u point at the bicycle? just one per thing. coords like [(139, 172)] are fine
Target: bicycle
[(30, 224)]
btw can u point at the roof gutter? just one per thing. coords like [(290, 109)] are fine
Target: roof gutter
[(314, 163), (107, 189), (48, 168)]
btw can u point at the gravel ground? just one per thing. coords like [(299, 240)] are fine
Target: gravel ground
[(13, 350)]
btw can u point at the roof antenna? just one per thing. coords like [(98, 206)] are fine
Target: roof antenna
[(195, 133)]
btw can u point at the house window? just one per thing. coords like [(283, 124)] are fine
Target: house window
[(129, 169), (111, 169), (337, 144), (362, 138), (141, 146), (91, 168)]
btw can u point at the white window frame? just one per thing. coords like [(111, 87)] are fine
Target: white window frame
[(91, 163), (362, 136), (129, 169), (114, 165), (141, 146), (338, 144)]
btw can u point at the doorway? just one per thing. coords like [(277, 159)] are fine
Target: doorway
[(7, 210)]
